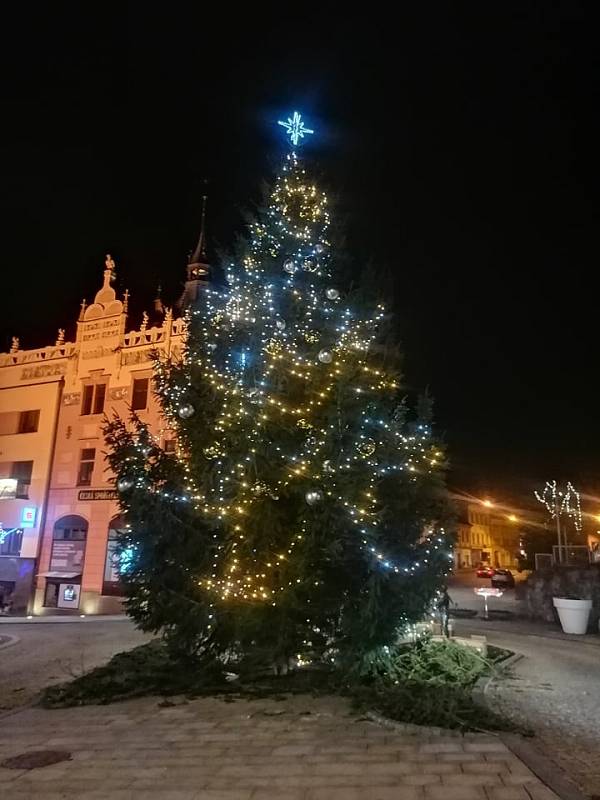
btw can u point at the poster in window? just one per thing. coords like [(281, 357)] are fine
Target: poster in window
[(67, 555)]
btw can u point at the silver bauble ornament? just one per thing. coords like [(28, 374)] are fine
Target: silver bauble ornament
[(311, 265), (280, 324), (290, 266), (186, 411), (332, 294), (325, 357), (327, 467), (366, 447), (124, 484), (313, 496), (319, 248), (211, 346)]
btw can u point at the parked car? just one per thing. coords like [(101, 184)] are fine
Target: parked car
[(503, 579), (485, 571)]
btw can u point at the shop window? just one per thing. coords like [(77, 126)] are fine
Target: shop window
[(94, 395), (29, 420), (86, 467), (111, 584), (170, 445), (11, 542), (63, 585), (139, 394)]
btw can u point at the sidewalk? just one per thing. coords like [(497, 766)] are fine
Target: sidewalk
[(301, 748), (523, 627)]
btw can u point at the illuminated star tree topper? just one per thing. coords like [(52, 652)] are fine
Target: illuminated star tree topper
[(294, 127)]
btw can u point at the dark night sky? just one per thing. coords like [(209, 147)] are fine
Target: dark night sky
[(459, 148)]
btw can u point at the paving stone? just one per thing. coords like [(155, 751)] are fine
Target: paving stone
[(486, 747), (454, 793), (541, 792), (443, 747), (507, 793), (466, 779), (374, 793), (210, 750)]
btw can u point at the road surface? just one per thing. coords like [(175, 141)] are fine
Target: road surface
[(554, 690), (48, 653)]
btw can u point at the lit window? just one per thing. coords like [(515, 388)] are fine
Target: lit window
[(170, 445), (10, 543), (139, 394), (86, 467), (93, 398)]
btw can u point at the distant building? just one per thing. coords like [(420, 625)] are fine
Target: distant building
[(58, 503), (486, 536)]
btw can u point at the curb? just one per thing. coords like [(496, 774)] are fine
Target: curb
[(546, 770), (408, 727)]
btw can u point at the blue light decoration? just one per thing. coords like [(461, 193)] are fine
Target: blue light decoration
[(295, 128), (126, 559)]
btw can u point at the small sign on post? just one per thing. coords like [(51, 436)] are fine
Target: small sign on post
[(485, 592)]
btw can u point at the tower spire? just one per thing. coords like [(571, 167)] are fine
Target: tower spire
[(198, 267)]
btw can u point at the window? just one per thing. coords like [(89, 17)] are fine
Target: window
[(10, 543), (112, 564), (19, 422), (21, 472), (170, 445), (86, 467), (139, 394), (93, 398), (28, 421)]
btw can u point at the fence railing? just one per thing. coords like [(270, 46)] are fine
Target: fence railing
[(564, 556)]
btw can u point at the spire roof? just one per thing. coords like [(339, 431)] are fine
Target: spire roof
[(198, 267)]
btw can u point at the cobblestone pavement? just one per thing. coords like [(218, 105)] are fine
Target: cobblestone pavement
[(302, 748), (555, 690), (50, 653)]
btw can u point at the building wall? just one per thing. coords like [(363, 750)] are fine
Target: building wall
[(486, 537), (106, 357), (29, 381), (54, 379)]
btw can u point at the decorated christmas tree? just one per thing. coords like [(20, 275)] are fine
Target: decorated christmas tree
[(300, 517)]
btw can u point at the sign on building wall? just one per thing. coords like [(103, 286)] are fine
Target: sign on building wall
[(98, 494), (67, 555), (28, 514)]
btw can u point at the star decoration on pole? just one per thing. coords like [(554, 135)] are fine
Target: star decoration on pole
[(295, 128)]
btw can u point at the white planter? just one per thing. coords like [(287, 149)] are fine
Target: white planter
[(573, 614)]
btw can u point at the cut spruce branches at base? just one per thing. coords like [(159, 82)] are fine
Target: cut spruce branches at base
[(428, 683)]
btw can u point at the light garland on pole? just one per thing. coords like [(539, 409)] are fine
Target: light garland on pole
[(561, 503)]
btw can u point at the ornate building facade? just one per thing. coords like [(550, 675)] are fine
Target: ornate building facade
[(58, 503)]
